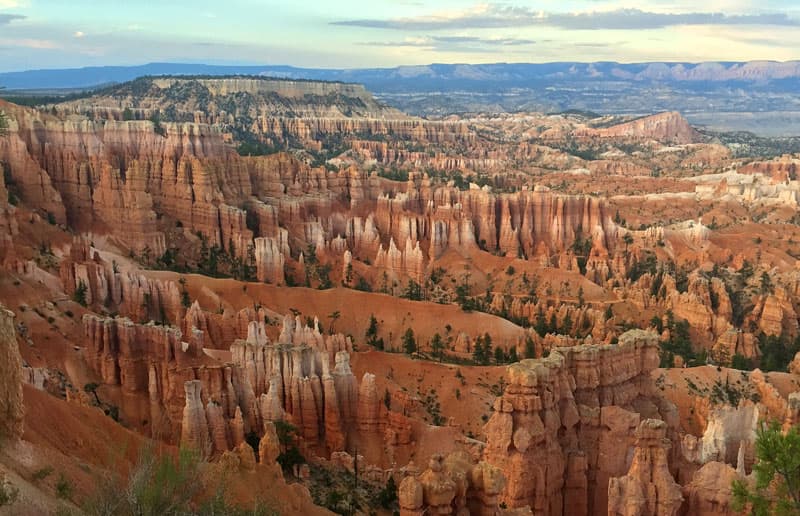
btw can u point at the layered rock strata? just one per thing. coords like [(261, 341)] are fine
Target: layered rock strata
[(648, 489), (11, 407), (558, 429)]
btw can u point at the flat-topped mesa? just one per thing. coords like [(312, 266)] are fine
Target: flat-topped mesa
[(667, 127), (282, 87), (649, 488), (549, 423), (276, 110)]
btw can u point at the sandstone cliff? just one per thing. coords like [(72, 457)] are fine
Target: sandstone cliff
[(11, 408), (648, 488), (558, 429), (668, 127)]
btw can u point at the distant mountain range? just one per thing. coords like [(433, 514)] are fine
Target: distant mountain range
[(433, 77), (763, 96)]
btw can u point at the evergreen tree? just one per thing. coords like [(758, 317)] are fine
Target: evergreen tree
[(540, 326), (80, 294), (413, 291), (372, 330), (530, 348), (777, 472), (566, 328), (478, 352), (437, 346), (409, 342), (499, 356), (487, 348)]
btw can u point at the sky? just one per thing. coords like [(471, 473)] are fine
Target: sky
[(37, 34)]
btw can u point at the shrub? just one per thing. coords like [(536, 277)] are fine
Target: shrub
[(163, 484), (8, 493), (63, 487), (388, 495), (42, 473), (79, 296)]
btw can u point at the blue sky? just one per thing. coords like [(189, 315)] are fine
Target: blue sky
[(356, 33)]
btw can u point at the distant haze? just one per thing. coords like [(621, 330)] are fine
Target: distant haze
[(762, 97), (378, 33)]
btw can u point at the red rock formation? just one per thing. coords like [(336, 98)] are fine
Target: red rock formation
[(8, 224), (775, 314), (710, 491), (452, 485), (668, 127), (269, 448), (11, 408), (270, 261), (548, 422), (648, 488), (778, 170), (194, 428), (292, 379), (369, 404), (128, 293)]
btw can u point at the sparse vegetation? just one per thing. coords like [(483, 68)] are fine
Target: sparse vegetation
[(79, 296), (371, 334), (165, 484), (8, 493), (776, 489), (290, 455), (42, 473), (63, 487), (409, 342)]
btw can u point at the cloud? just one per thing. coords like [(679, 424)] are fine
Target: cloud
[(480, 17), (37, 44), (79, 34), (454, 43), (485, 41), (503, 16), (631, 19), (5, 19)]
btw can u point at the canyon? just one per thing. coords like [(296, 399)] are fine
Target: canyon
[(331, 300)]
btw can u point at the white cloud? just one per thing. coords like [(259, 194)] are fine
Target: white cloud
[(79, 34), (38, 44), (498, 16)]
